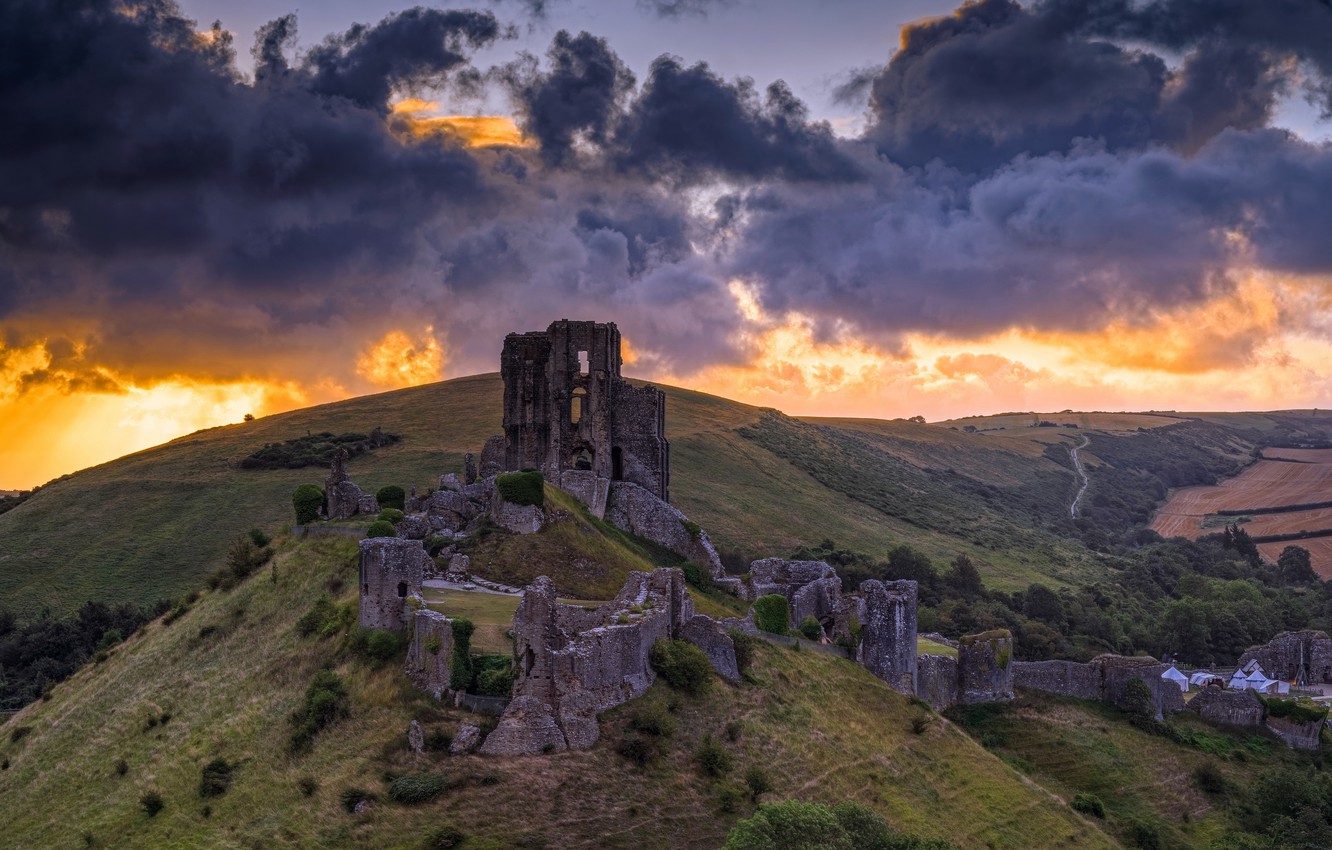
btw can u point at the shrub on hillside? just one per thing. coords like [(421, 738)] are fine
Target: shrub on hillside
[(810, 628), (794, 825), (325, 702), (315, 449), (653, 719), (325, 619), (1210, 780), (445, 837), (1088, 804), (772, 613), (681, 664), (391, 496), (307, 499), (494, 676), (392, 515), (378, 646), (521, 488), (215, 778), (758, 783), (744, 649), (713, 759), (418, 788), (381, 528), (259, 537), (152, 803)]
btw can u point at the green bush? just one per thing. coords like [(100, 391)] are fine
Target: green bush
[(392, 515), (521, 488), (215, 778), (1210, 780), (380, 528), (307, 500), (258, 537), (693, 529), (713, 759), (418, 788), (495, 681), (461, 669), (378, 645), (757, 781), (315, 449), (1295, 711), (637, 749), (729, 797), (653, 719), (772, 614), (325, 702), (1088, 804), (391, 496), (810, 628), (445, 837), (152, 803), (681, 664), (325, 619), (794, 825)]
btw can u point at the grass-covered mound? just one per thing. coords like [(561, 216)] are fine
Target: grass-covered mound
[(232, 681)]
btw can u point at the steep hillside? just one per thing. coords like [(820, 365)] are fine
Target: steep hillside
[(221, 681), (153, 524)]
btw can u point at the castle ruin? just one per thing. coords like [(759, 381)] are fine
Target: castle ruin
[(569, 414)]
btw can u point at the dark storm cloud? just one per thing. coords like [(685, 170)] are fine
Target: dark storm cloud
[(1054, 166), (683, 8), (689, 125), (582, 92)]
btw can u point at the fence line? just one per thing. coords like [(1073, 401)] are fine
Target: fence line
[(493, 706)]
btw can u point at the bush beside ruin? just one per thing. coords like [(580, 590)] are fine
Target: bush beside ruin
[(681, 664), (307, 500), (772, 613), (522, 488)]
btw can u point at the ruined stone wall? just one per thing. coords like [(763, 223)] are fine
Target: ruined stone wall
[(1066, 678), (341, 496), (1304, 657), (637, 511), (573, 664), (639, 439), (937, 680), (888, 634), (430, 651), (1298, 736), (1228, 708), (985, 667), (391, 570)]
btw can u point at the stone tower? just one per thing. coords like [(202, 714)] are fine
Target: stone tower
[(888, 636), (567, 410)]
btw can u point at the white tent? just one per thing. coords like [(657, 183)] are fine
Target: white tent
[(1177, 677), (1238, 681), (1258, 682), (1251, 666), (1283, 687), (1202, 678)]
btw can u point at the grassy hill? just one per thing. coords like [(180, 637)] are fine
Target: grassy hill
[(221, 680), (153, 524)]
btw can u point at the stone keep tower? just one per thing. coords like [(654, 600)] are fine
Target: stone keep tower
[(566, 409)]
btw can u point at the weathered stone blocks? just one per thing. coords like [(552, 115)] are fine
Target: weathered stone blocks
[(430, 652), (637, 511), (888, 634), (985, 667), (936, 680)]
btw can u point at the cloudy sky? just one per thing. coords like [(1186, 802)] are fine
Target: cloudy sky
[(853, 208)]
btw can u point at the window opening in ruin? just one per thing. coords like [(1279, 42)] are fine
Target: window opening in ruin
[(529, 660), (402, 590), (577, 405), (365, 590), (582, 458), (582, 363), (617, 465)]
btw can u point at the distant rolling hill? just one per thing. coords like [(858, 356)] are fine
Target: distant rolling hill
[(155, 523)]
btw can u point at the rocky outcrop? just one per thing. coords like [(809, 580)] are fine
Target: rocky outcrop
[(527, 726), (587, 487), (888, 634), (520, 519), (466, 741), (453, 508), (391, 571), (492, 456), (342, 497), (631, 508)]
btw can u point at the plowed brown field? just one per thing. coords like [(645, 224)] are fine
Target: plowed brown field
[(1266, 484)]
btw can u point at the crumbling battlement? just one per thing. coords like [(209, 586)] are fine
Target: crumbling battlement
[(1303, 657), (1225, 707), (566, 408), (575, 663), (391, 571)]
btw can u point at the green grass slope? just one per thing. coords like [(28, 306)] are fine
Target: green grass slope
[(153, 524), (222, 680)]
